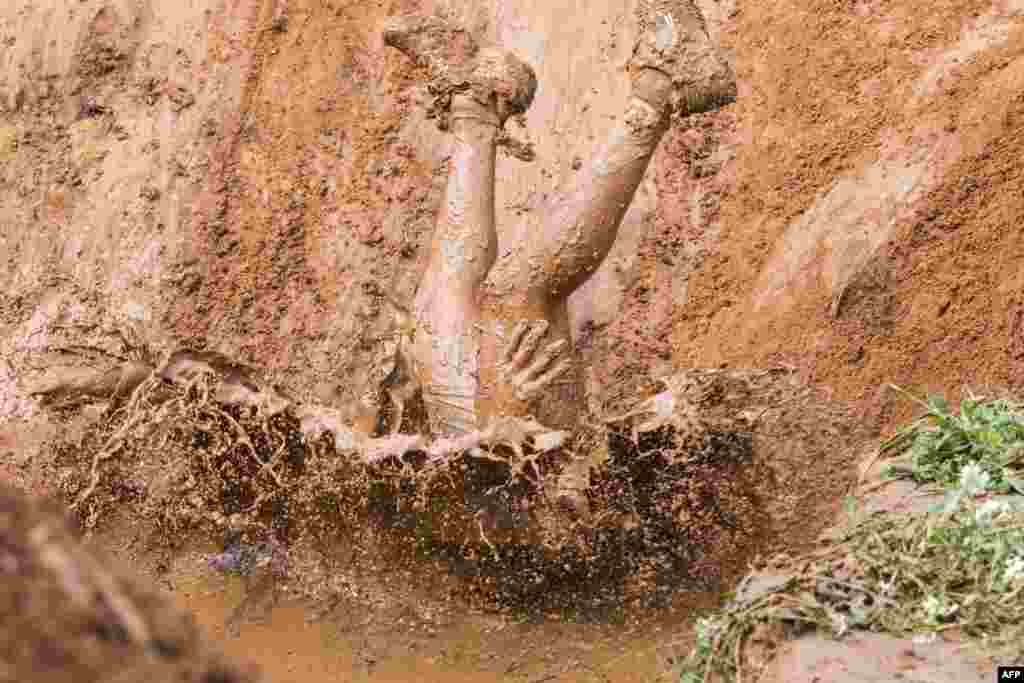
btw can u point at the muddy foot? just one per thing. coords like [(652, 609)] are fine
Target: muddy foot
[(456, 64), (675, 43), (503, 79), (443, 49)]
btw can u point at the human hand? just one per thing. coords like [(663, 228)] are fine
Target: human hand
[(525, 368)]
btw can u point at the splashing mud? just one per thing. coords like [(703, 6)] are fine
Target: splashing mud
[(685, 489)]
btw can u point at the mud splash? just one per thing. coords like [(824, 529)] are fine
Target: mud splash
[(685, 489)]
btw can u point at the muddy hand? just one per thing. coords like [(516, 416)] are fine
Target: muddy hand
[(527, 368)]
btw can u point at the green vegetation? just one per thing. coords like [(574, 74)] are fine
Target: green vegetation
[(959, 566), (941, 443)]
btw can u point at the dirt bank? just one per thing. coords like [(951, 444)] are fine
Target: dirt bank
[(249, 175), (69, 614), (868, 229)]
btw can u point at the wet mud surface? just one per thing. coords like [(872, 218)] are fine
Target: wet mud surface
[(285, 524), (249, 176)]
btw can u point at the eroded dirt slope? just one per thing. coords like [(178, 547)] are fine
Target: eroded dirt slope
[(868, 229)]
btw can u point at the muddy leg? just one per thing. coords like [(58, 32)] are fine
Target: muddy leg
[(575, 238), (464, 244), (676, 70), (583, 226), (487, 86), (461, 252)]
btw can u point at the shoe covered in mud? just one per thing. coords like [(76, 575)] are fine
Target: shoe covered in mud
[(674, 41), (501, 78), (432, 43), (455, 63)]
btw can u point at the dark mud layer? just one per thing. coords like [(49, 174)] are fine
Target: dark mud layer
[(662, 525)]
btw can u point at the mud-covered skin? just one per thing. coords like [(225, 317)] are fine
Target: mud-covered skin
[(447, 312), (493, 338), (534, 282)]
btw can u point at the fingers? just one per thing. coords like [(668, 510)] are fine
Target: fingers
[(529, 369), (517, 337), (544, 360), (529, 345), (530, 389), (562, 368)]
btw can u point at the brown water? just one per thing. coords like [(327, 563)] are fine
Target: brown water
[(357, 644)]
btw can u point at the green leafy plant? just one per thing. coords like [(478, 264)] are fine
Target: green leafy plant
[(705, 632), (960, 565), (941, 443)]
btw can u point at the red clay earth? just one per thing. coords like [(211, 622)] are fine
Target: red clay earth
[(929, 291), (248, 174)]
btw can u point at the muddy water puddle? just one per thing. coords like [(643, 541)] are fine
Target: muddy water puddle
[(289, 643)]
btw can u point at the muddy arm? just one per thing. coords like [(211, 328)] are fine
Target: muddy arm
[(71, 384)]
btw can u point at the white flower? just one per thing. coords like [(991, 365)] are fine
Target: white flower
[(549, 441), (935, 608), (987, 512), (1014, 568), (706, 630), (973, 479), (840, 625), (950, 503)]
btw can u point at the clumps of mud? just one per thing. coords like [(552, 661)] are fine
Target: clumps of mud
[(66, 615), (662, 523), (679, 495), (104, 50)]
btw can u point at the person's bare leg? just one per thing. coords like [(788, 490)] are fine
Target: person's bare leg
[(463, 249), (489, 86), (675, 70), (534, 282)]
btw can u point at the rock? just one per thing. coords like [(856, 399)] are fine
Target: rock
[(874, 658), (67, 614)]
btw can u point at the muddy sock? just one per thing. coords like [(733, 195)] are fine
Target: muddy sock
[(468, 112)]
